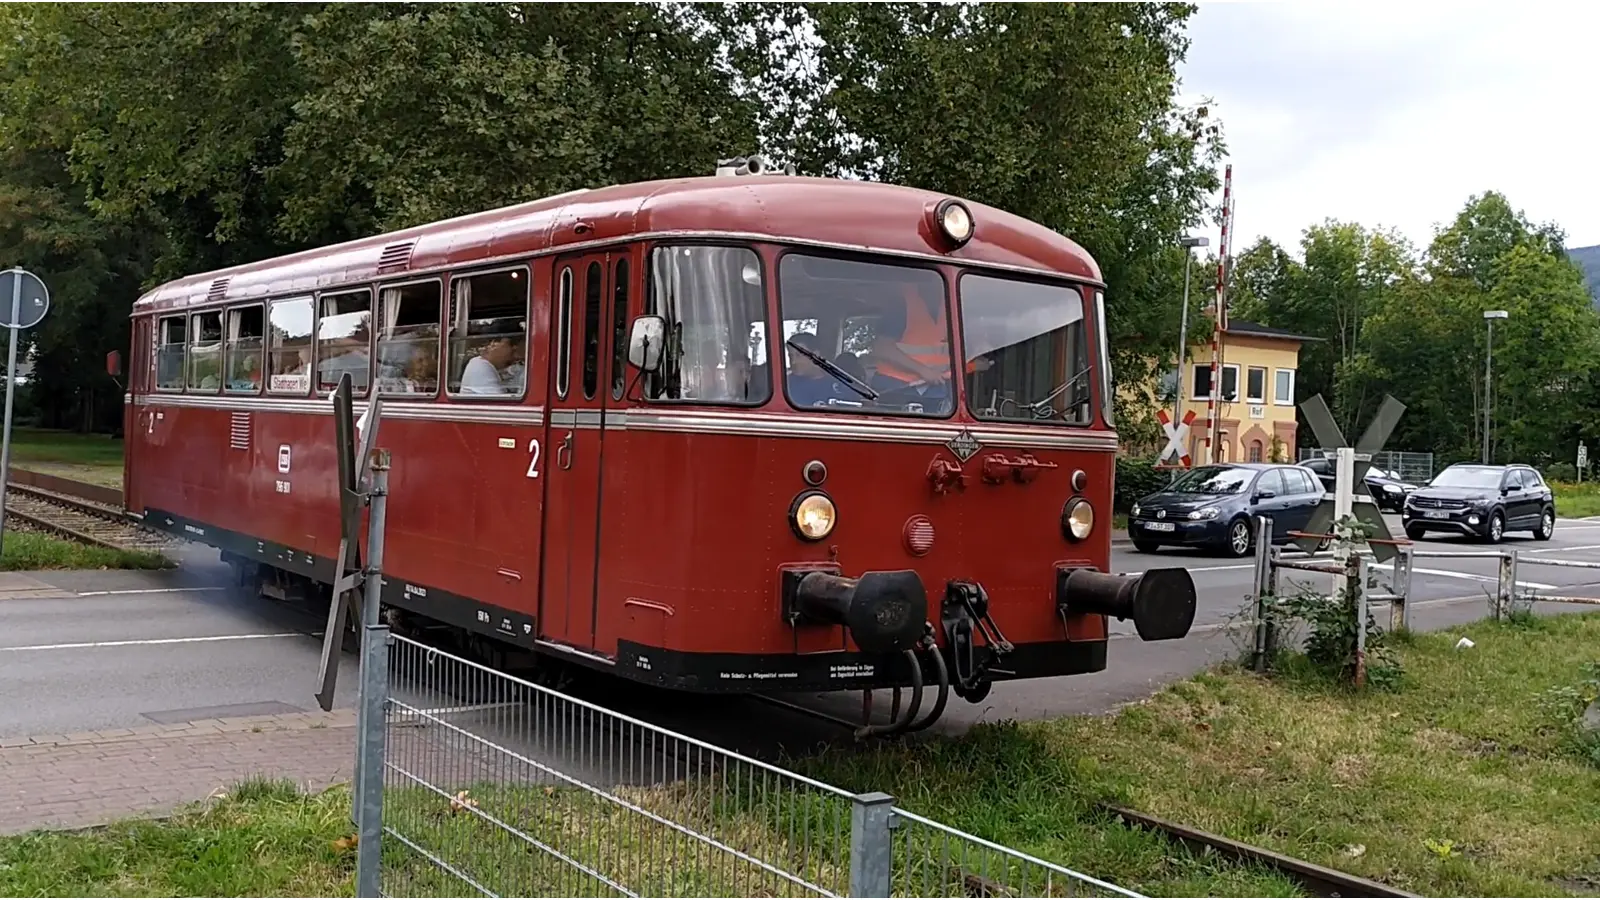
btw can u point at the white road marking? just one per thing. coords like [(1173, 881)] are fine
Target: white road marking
[(153, 641), (1469, 576), (1566, 549), (178, 590)]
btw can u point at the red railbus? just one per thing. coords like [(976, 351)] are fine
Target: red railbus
[(732, 433)]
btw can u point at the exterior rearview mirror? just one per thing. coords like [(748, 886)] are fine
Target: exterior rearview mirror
[(644, 345), (114, 363)]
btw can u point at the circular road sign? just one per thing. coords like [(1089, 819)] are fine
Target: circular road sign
[(35, 298)]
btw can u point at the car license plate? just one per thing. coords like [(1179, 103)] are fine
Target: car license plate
[(1158, 526), (1436, 514)]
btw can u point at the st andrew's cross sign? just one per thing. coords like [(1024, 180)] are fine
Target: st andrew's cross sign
[(1362, 506)]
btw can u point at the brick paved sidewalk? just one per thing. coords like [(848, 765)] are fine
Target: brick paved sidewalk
[(78, 780)]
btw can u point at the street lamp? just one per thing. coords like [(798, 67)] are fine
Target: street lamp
[(1188, 243), (1488, 370)]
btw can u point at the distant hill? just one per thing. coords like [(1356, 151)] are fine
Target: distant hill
[(1588, 259)]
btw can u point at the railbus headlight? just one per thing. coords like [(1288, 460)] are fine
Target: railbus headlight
[(1077, 519), (813, 516)]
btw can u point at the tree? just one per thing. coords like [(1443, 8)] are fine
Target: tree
[(1063, 113)]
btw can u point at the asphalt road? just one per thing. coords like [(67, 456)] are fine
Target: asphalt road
[(120, 649)]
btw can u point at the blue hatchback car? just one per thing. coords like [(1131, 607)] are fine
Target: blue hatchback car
[(1214, 506)]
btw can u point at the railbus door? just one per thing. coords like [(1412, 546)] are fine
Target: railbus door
[(574, 434)]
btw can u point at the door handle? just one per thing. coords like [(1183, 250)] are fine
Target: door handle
[(564, 452)]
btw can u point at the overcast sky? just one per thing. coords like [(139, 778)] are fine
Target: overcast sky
[(1395, 113)]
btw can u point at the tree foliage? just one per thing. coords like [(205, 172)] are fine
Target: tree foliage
[(1412, 325), (185, 137)]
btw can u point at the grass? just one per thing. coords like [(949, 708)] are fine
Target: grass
[(26, 551), (95, 458), (266, 839), (1576, 500), (1466, 781)]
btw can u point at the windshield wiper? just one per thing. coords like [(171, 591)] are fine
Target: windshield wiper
[(1045, 401), (827, 365)]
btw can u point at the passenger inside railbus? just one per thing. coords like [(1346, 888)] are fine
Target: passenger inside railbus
[(808, 384), (497, 367)]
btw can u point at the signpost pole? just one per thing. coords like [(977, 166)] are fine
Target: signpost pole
[(11, 388)]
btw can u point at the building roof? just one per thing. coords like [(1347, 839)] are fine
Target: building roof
[(1255, 329), (785, 209)]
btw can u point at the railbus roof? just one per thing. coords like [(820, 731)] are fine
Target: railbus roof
[(868, 216)]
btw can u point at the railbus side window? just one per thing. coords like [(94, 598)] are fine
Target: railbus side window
[(242, 349), (289, 346), (564, 334), (344, 332), (591, 329), (710, 297), (408, 338), (489, 335), (205, 352), (619, 331), (170, 353)]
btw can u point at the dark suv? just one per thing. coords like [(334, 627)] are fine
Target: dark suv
[(1387, 488), (1482, 501), (1213, 506)]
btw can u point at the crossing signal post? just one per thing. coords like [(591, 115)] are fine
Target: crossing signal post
[(1350, 496)]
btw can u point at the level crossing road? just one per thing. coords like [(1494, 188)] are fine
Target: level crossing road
[(87, 651)]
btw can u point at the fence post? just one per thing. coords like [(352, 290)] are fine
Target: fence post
[(1263, 566), (871, 844), (1400, 609), (1358, 576), (370, 739), (1507, 586), (1511, 592), (1271, 647)]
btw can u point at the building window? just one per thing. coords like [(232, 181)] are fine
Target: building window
[(1230, 382), (242, 349), (1255, 449), (408, 338), (289, 346), (344, 331), (1255, 385), (1283, 387), (205, 352), (489, 335), (170, 347)]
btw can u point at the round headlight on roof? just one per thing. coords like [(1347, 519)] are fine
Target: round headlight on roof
[(955, 221)]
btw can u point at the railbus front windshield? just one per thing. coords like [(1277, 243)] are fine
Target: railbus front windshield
[(871, 336)]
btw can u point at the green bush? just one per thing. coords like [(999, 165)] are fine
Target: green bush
[(1561, 471), (1136, 478)]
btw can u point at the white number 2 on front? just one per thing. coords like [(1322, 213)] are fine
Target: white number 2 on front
[(533, 462)]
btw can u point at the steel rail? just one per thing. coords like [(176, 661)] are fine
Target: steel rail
[(1320, 881)]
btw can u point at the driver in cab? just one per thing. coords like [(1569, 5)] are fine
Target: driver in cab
[(911, 347)]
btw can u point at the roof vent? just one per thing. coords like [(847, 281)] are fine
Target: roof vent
[(219, 289), (396, 256), (754, 164)]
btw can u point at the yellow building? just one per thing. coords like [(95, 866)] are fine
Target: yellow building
[(1256, 410)]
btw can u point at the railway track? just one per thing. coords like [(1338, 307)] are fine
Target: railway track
[(81, 520), (1319, 881)]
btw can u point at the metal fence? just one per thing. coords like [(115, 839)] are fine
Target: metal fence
[(1414, 468), (489, 785)]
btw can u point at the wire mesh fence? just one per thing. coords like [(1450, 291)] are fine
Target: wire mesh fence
[(934, 860), (494, 786), (1413, 468)]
